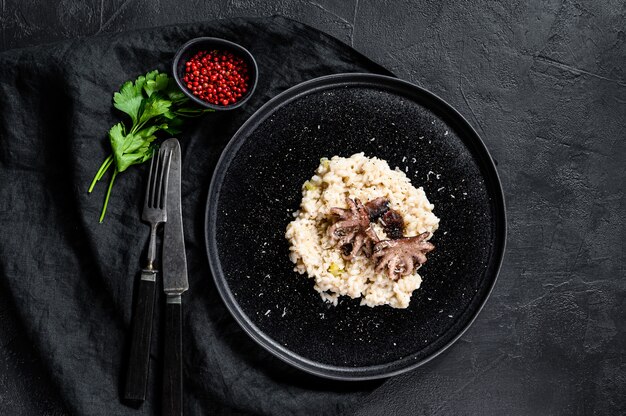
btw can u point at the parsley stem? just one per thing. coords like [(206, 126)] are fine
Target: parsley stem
[(103, 168), (107, 164), (106, 200), (138, 126)]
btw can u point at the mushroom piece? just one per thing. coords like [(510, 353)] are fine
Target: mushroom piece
[(402, 256), (392, 220), (393, 224), (353, 231), (377, 208)]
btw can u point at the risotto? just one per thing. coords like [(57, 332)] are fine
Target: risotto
[(337, 182)]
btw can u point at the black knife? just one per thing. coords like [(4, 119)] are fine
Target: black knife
[(174, 272)]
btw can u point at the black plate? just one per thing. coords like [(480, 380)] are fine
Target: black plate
[(256, 188)]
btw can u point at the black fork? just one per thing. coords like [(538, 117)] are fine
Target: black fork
[(154, 213)]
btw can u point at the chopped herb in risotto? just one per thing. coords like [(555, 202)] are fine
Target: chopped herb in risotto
[(362, 230)]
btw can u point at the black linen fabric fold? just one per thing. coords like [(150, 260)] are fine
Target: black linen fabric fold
[(71, 279)]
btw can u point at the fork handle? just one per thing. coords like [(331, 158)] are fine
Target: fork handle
[(152, 245), (172, 398), (138, 363)]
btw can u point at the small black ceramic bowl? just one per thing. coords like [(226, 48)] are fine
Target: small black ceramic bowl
[(189, 49)]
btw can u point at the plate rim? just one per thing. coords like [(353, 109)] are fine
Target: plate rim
[(230, 150)]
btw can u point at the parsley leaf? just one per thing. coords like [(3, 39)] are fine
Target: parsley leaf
[(128, 101), (154, 106)]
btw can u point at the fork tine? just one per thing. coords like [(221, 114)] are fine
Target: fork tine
[(155, 180), (164, 165), (157, 195), (146, 202)]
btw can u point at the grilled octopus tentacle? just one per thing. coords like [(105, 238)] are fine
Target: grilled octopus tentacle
[(400, 257), (353, 231)]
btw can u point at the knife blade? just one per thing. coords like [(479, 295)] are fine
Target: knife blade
[(174, 259), (174, 276)]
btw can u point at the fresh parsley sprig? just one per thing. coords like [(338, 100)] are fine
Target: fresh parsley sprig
[(154, 103)]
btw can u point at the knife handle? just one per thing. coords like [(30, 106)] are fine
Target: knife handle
[(172, 398), (138, 363)]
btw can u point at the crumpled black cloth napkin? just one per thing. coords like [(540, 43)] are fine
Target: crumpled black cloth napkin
[(71, 278)]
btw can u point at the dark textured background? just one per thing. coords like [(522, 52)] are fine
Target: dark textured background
[(545, 86)]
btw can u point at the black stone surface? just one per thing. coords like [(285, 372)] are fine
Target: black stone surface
[(544, 82), (257, 188)]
